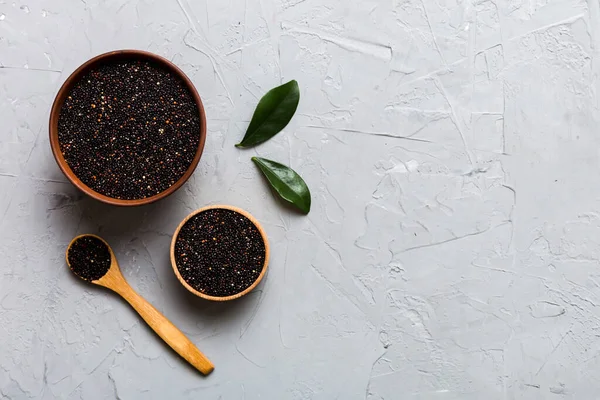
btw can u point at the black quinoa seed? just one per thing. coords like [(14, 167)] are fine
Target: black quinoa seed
[(89, 258), (129, 129), (219, 252)]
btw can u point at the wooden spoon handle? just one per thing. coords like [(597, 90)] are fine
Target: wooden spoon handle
[(168, 332)]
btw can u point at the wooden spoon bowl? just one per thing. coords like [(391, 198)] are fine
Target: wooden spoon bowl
[(76, 76), (204, 295)]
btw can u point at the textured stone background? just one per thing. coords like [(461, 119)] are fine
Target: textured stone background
[(452, 149)]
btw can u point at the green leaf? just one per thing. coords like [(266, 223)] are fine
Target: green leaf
[(286, 182), (273, 112)]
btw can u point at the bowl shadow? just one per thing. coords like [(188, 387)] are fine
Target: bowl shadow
[(203, 309)]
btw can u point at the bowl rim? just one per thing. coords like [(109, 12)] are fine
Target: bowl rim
[(223, 298), (70, 82)]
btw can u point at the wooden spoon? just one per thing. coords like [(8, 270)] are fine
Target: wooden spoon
[(113, 279)]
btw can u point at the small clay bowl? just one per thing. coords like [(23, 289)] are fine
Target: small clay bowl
[(76, 76), (222, 298)]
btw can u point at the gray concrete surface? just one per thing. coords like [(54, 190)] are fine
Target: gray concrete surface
[(452, 149)]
